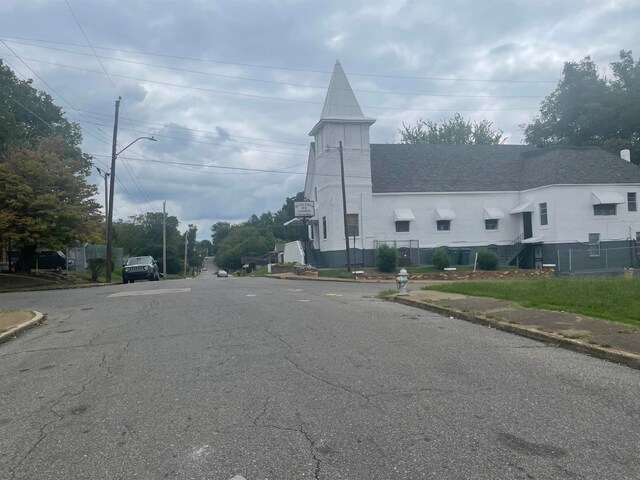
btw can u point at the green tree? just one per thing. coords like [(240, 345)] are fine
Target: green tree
[(219, 232), (45, 201), (27, 115), (455, 131), (588, 109), (142, 235)]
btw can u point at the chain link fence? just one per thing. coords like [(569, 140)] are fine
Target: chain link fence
[(78, 257), (596, 258)]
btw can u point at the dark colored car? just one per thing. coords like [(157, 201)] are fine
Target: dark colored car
[(140, 268), (49, 260)]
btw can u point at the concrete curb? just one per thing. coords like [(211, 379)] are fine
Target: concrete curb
[(14, 331), (609, 354)]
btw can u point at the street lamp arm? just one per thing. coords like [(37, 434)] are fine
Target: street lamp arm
[(139, 138)]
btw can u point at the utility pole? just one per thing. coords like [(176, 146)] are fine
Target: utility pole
[(164, 241), (344, 210), (112, 184), (106, 199), (186, 243)]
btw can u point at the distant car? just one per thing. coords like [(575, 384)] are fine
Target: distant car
[(222, 273), (140, 268)]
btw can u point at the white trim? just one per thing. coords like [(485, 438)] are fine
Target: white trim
[(598, 198)]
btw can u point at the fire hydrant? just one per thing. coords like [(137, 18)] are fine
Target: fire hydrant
[(401, 281)]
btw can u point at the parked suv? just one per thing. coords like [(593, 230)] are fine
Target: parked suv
[(140, 268)]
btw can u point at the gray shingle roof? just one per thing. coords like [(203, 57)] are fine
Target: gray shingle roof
[(462, 168)]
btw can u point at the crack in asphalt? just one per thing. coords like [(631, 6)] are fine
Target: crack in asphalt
[(59, 416), (310, 374), (307, 437)]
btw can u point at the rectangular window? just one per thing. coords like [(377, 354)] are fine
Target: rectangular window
[(491, 224), (594, 244), (402, 226), (353, 225), (311, 232), (543, 214), (638, 237), (324, 227), (604, 209), (443, 225), (632, 206)]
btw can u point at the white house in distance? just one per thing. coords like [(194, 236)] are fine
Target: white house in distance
[(575, 207)]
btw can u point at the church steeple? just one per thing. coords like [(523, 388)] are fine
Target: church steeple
[(340, 101), (340, 104)]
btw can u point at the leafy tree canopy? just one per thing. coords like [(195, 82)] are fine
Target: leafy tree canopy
[(589, 109), (455, 131), (142, 235), (27, 114), (45, 201), (254, 237)]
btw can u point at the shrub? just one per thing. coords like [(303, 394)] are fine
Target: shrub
[(386, 258), (487, 260), (440, 258), (96, 266)]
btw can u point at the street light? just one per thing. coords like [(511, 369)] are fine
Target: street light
[(114, 155)]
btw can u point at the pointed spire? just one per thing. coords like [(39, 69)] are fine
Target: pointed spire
[(340, 101)]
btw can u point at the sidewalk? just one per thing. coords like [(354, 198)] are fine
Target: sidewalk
[(15, 321), (611, 341)]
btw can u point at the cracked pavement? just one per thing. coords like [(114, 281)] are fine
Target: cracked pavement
[(298, 380)]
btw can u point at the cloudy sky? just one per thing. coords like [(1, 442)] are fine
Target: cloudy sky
[(231, 88)]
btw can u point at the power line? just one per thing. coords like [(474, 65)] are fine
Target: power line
[(235, 147), (281, 99), (273, 67), (261, 80), (136, 181), (224, 167), (170, 126)]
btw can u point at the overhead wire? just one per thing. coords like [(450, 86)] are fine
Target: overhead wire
[(127, 167), (262, 80), (274, 67), (283, 99)]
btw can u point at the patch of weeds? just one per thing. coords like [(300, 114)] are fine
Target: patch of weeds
[(572, 336), (593, 342), (605, 345), (513, 322), (544, 329), (384, 294)]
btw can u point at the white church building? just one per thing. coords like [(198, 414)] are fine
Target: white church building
[(574, 207)]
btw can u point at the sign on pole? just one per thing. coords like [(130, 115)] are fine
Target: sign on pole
[(304, 209)]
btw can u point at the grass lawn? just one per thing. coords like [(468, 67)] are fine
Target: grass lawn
[(616, 299)]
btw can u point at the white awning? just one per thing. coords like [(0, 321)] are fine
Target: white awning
[(403, 214), (533, 240), (523, 207), (606, 197), (493, 213), (293, 221), (445, 214)]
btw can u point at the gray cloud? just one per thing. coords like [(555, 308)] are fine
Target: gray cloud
[(213, 107)]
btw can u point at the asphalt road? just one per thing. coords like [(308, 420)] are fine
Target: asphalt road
[(268, 379)]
